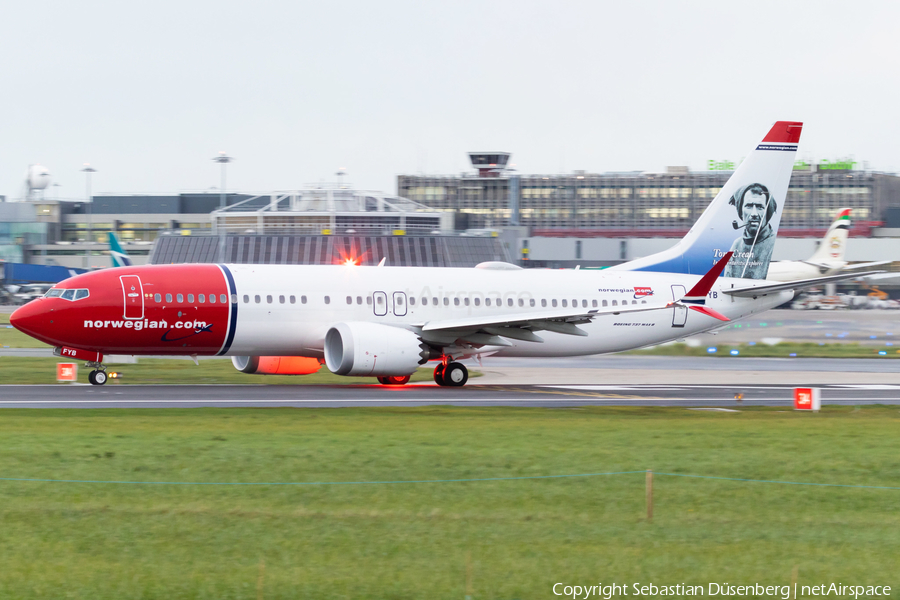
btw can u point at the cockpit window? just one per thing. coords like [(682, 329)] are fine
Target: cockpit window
[(72, 294)]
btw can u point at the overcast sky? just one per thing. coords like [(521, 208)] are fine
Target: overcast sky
[(149, 92)]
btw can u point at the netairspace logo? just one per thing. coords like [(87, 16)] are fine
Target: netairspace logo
[(785, 592), (138, 325)]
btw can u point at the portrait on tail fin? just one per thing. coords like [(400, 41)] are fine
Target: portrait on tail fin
[(753, 249)]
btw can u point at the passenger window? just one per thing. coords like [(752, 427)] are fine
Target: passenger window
[(643, 302), (368, 300), (380, 300), (614, 303), (584, 304), (234, 298), (487, 301), (202, 298), (574, 303), (634, 301), (68, 295), (553, 303), (293, 299), (180, 298), (302, 299), (212, 298), (544, 302), (521, 302), (565, 303), (246, 299), (531, 302), (281, 299), (399, 300), (190, 298), (223, 298), (79, 294), (327, 299), (477, 301), (412, 300), (168, 297), (157, 297), (349, 299), (269, 299), (604, 303), (594, 303), (466, 301), (456, 302), (424, 301), (257, 299), (359, 299), (434, 301)]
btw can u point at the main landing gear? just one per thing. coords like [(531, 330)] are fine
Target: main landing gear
[(452, 374), (98, 375)]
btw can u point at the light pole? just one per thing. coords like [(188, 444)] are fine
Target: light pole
[(87, 170), (223, 159)]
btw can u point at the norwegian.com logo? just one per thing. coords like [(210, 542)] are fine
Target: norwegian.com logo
[(642, 292)]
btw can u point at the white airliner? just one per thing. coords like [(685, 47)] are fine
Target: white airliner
[(387, 321), (828, 258)]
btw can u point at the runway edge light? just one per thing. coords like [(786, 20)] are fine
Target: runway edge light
[(807, 399)]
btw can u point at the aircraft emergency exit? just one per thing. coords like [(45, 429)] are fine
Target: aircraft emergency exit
[(388, 321)]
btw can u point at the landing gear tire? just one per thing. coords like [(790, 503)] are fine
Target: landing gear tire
[(439, 374), (394, 380), (97, 377), (455, 375)]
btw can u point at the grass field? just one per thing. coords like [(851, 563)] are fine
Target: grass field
[(492, 539)]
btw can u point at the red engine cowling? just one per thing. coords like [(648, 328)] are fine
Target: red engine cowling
[(276, 365)]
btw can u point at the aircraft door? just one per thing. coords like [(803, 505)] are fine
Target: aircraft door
[(380, 304), (679, 313), (399, 304), (133, 296)]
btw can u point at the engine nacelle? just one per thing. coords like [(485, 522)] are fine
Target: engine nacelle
[(276, 365), (359, 348)]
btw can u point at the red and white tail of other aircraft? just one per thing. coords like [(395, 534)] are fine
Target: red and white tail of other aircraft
[(388, 321)]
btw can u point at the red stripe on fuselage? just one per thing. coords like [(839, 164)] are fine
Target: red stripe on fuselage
[(99, 321)]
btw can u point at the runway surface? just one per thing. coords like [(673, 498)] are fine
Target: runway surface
[(314, 396)]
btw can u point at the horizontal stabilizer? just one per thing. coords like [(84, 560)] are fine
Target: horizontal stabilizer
[(800, 284)]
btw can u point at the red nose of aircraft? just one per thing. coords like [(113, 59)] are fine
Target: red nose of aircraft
[(30, 319)]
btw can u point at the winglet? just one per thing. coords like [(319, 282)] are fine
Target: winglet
[(698, 293)]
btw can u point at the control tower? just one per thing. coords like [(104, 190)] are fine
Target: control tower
[(489, 164)]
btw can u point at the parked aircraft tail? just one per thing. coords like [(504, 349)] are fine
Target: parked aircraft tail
[(743, 218), (833, 245), (116, 253)]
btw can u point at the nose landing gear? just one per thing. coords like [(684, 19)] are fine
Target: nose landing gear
[(98, 375)]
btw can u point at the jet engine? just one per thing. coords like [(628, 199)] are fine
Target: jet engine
[(276, 365), (359, 348)]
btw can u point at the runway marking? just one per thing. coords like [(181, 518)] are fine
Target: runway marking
[(866, 386)]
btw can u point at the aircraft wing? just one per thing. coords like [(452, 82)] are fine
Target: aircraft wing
[(492, 331), (522, 326), (800, 284)]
